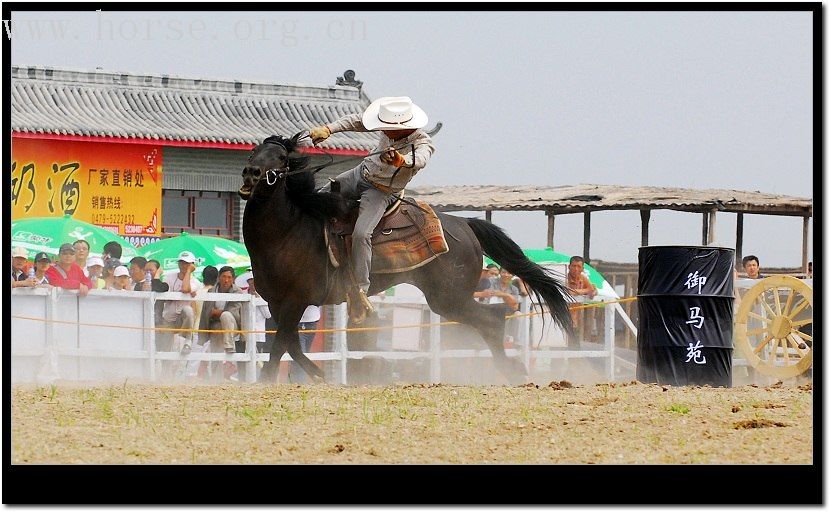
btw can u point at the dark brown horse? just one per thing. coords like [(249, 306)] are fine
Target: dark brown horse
[(283, 227)]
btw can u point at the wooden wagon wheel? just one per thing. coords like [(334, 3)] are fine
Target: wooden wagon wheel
[(770, 326)]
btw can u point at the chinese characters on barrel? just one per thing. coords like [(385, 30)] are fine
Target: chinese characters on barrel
[(694, 349)]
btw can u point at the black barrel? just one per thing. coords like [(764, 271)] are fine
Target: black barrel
[(685, 299)]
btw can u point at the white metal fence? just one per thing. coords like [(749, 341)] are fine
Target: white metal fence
[(109, 336)]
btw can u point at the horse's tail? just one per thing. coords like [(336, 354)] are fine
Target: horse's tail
[(541, 282)]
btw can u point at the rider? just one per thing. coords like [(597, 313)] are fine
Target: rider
[(403, 150)]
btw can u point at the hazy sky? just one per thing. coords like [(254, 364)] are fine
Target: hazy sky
[(685, 99)]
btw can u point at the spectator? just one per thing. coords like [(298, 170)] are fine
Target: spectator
[(493, 270), (107, 273), (210, 275), (752, 267), (121, 276), (67, 274), (42, 264), (20, 277), (222, 315), (138, 274), (155, 268), (484, 288), (505, 292), (95, 268), (81, 254), (810, 270), (179, 313), (112, 250), (578, 282)]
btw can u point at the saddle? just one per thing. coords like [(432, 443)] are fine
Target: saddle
[(408, 236)]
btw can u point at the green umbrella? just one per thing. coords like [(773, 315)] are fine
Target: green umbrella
[(549, 256), (46, 234), (208, 250)]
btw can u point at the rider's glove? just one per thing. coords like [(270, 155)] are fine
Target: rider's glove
[(392, 157), (319, 133)]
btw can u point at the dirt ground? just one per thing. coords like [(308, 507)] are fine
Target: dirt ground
[(550, 423)]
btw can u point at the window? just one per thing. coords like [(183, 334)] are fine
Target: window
[(200, 213)]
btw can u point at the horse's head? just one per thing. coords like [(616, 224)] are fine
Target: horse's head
[(269, 162)]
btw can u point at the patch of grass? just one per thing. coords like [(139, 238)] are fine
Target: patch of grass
[(375, 415), (680, 409)]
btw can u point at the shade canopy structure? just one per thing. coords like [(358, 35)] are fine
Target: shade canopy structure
[(208, 250), (47, 234), (549, 258)]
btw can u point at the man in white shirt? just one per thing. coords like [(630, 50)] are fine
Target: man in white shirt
[(179, 313)]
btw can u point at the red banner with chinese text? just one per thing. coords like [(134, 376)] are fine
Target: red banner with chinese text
[(115, 186)]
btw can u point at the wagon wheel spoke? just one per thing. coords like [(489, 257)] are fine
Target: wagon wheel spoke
[(759, 317), (773, 352), (762, 344), (766, 306), (802, 322), (803, 335), (789, 304), (801, 305), (759, 330), (786, 350), (777, 300), (795, 344)]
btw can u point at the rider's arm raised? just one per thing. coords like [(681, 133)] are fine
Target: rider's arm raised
[(350, 123)]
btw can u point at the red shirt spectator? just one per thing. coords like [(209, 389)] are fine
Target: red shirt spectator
[(67, 274)]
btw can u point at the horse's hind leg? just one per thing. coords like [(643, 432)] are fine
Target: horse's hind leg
[(488, 320)]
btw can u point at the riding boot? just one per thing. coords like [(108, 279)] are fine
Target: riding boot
[(359, 306)]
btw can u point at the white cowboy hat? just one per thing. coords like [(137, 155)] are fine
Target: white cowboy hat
[(394, 113)]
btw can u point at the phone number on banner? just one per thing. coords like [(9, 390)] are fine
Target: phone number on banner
[(140, 241)]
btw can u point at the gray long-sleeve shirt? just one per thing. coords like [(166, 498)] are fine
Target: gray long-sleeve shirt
[(416, 149)]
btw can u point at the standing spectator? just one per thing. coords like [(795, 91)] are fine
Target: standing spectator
[(67, 274), (484, 288), (121, 276), (20, 277), (222, 315), (579, 286), (112, 250), (210, 275), (42, 264), (752, 267), (155, 267), (138, 274), (95, 269), (263, 321), (505, 292), (179, 313), (493, 270), (81, 254), (810, 270), (107, 273)]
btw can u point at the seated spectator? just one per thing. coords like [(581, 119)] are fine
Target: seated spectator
[(121, 276), (752, 267), (112, 250), (67, 274), (107, 273), (20, 275), (179, 313), (505, 292), (138, 274), (95, 268), (81, 254), (42, 264), (222, 315)]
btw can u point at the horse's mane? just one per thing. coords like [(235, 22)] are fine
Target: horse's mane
[(300, 187)]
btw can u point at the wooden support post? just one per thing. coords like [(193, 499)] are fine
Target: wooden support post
[(705, 230), (645, 216), (739, 240), (551, 218), (586, 238), (805, 243), (711, 222), (488, 215)]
